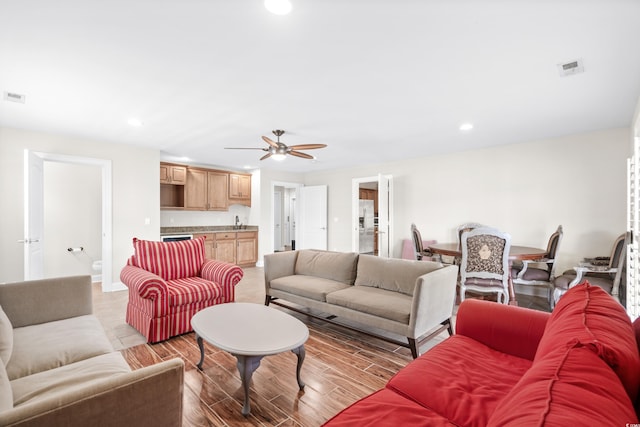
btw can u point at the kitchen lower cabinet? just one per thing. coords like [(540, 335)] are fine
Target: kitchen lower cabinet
[(226, 247), (247, 248)]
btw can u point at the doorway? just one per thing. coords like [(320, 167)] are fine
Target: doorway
[(372, 233), (284, 214), (34, 212)]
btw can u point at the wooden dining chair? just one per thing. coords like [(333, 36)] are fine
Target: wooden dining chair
[(540, 272), (607, 277), (420, 252), (484, 266)]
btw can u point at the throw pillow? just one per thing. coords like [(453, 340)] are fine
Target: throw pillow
[(6, 338), (568, 387), (170, 260), (588, 316)]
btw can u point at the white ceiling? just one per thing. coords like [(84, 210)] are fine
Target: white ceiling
[(376, 80)]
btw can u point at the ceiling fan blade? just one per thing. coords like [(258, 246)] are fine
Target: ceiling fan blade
[(270, 142), (245, 148), (266, 156), (299, 154), (307, 146)]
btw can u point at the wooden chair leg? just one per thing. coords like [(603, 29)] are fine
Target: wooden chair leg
[(413, 346), (267, 299)]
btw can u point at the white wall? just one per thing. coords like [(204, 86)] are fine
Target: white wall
[(66, 187), (527, 189), (136, 193)]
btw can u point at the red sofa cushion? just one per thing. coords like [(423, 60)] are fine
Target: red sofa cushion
[(588, 315), (460, 379), (569, 387), (385, 408), (170, 260)]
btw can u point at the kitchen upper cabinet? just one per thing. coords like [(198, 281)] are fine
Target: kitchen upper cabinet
[(206, 190), (240, 189), (172, 181), (173, 174)]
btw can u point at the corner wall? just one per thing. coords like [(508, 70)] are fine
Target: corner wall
[(136, 193)]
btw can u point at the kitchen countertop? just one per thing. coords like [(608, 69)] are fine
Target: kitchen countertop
[(206, 229)]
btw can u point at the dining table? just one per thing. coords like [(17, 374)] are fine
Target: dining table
[(516, 253)]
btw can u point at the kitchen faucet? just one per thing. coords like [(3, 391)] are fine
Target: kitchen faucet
[(237, 221)]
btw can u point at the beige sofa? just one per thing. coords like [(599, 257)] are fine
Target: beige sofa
[(413, 299), (58, 368)]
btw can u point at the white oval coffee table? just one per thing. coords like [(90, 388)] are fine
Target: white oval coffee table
[(249, 332)]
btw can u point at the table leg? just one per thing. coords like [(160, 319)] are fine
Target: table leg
[(201, 346), (246, 367), (300, 352)]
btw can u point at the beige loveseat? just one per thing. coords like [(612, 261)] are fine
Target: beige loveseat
[(413, 299), (58, 368)]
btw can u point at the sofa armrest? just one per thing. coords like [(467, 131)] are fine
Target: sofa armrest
[(150, 396), (221, 272), (281, 264), (506, 328), (433, 299), (143, 282), (29, 302)]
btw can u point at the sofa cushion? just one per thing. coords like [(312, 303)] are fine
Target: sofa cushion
[(68, 378), (589, 316), (460, 379), (6, 338), (377, 302), (170, 260), (6, 395), (387, 408), (49, 345), (549, 392), (192, 289), (398, 275), (315, 288), (338, 266)]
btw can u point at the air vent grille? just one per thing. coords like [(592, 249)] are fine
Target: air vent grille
[(571, 67), (14, 97)]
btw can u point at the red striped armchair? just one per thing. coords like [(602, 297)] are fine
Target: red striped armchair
[(169, 282)]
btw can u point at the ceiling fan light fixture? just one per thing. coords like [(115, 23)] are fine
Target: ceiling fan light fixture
[(278, 157), (278, 7)]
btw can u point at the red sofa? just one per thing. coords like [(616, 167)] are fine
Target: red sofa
[(169, 282), (512, 366)]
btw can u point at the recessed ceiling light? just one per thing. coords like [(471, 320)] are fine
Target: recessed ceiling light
[(466, 127), (134, 122), (278, 7)]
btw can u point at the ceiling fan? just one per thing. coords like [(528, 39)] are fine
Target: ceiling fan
[(278, 150)]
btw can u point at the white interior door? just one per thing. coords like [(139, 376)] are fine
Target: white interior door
[(277, 220), (312, 227), (384, 232), (34, 216)]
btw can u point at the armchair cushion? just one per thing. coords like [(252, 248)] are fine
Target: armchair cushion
[(170, 260), (192, 289), (6, 338)]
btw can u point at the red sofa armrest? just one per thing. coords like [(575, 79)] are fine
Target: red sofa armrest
[(505, 328), (143, 282), (223, 273)]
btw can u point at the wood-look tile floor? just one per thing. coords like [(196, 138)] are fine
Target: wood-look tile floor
[(341, 366)]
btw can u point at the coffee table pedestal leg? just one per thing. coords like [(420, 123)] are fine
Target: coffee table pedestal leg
[(201, 346), (247, 366), (300, 352)]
